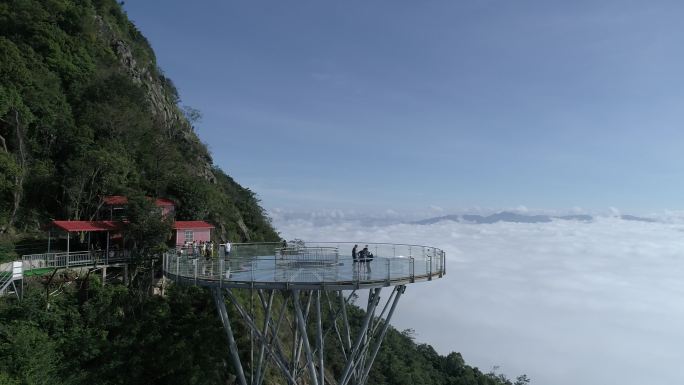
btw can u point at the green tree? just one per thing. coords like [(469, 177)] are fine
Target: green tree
[(29, 354)]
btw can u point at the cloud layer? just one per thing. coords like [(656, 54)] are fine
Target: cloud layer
[(565, 302)]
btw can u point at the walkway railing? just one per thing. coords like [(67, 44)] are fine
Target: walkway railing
[(315, 263), (309, 256), (73, 259), (5, 276)]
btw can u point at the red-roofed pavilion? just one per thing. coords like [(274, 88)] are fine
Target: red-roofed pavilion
[(77, 226), (89, 227)]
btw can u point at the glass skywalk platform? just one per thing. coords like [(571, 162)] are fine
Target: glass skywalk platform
[(308, 266)]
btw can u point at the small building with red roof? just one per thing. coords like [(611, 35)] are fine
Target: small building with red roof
[(167, 206), (114, 207), (190, 231)]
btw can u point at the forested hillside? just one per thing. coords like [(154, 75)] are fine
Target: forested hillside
[(85, 111), (94, 334)]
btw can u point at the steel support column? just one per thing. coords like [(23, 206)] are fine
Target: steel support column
[(223, 314), (301, 325), (253, 327), (373, 298), (319, 338), (267, 320), (399, 291)]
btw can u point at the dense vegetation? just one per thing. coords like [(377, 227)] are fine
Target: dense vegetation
[(85, 112), (94, 334)]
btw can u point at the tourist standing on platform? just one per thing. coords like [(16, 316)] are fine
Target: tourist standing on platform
[(363, 254), (354, 255), (227, 249), (366, 257)]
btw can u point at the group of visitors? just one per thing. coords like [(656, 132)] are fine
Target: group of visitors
[(207, 249), (363, 256), (202, 248)]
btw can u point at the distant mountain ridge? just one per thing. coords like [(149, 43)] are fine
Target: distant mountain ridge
[(507, 216)]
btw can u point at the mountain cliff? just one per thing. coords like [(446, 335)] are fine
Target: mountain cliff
[(85, 111)]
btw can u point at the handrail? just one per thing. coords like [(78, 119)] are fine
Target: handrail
[(73, 259), (5, 276)]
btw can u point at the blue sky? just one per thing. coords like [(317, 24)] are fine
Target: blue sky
[(456, 104)]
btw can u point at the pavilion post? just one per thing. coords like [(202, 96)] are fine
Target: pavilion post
[(49, 240), (67, 256), (107, 250)]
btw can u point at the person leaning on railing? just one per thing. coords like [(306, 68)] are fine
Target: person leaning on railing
[(365, 255)]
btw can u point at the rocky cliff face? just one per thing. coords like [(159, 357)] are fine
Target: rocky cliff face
[(161, 94)]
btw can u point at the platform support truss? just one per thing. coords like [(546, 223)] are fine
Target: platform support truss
[(290, 330)]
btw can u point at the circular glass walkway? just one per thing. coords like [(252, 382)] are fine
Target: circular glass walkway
[(310, 265)]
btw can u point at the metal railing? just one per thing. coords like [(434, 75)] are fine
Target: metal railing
[(312, 263), (309, 256), (5, 276), (74, 259)]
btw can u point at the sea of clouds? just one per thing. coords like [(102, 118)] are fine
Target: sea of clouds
[(565, 302)]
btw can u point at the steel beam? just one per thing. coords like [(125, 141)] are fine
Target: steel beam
[(346, 320), (352, 360), (399, 291), (337, 329), (223, 314), (320, 338), (305, 338), (250, 323), (267, 319)]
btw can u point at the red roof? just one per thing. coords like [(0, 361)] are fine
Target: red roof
[(164, 202), (115, 200), (120, 200), (75, 226), (182, 225)]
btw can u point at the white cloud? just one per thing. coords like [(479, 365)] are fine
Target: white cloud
[(436, 208), (522, 209), (614, 211), (565, 302), (577, 210)]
